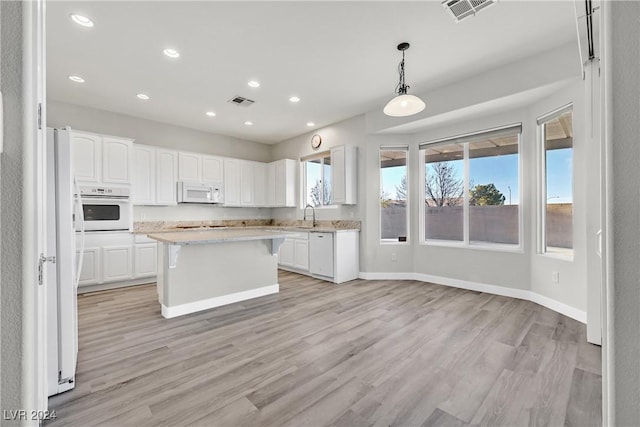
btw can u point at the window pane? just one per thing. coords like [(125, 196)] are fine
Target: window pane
[(444, 192), (313, 170), (326, 176), (493, 190), (393, 195), (558, 144)]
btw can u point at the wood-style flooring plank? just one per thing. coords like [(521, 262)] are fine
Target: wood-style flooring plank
[(362, 353)]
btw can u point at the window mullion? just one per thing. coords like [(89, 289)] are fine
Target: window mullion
[(465, 210)]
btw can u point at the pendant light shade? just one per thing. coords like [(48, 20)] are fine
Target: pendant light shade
[(403, 104)]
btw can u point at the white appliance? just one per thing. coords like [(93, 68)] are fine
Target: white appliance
[(63, 206), (321, 254), (106, 208), (195, 192)]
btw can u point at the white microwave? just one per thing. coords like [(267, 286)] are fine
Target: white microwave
[(195, 192)]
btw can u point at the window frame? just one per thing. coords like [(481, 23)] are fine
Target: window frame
[(388, 242), (466, 243), (541, 178), (303, 181)]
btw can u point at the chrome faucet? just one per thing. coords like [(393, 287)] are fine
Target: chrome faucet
[(313, 210)]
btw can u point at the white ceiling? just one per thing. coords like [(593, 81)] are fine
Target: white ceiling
[(340, 58)]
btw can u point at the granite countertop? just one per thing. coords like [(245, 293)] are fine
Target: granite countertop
[(202, 237), (325, 226)]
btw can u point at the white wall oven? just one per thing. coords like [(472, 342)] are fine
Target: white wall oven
[(106, 208)]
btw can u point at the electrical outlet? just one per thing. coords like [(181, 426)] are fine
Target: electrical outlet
[(394, 256), (555, 276)]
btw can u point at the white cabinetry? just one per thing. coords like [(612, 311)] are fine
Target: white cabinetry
[(246, 183), (231, 182), (259, 184), (344, 170), (145, 259), (212, 169), (294, 252), (166, 176), (281, 183), (116, 263), (117, 258), (102, 159), (189, 167), (154, 176)]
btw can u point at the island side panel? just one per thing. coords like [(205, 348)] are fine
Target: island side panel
[(210, 275)]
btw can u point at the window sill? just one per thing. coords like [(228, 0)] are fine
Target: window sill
[(495, 247), (389, 242), (561, 256)]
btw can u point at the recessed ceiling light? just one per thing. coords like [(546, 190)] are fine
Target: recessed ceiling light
[(171, 53), (76, 79), (143, 96), (294, 99), (82, 20), (310, 124), (211, 114), (253, 83), (248, 123)]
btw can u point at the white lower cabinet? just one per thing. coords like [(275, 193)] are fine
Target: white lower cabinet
[(332, 256), (116, 262), (117, 258), (145, 259)]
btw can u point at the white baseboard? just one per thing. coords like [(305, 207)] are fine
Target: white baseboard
[(192, 307), (557, 306), (83, 289)]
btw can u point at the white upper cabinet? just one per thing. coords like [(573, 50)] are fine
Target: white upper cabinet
[(166, 176), (344, 170), (144, 167), (212, 169), (259, 184), (116, 160), (232, 182), (246, 183), (189, 167), (284, 183), (271, 184), (87, 155), (102, 159)]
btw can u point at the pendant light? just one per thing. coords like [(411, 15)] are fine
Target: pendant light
[(403, 104)]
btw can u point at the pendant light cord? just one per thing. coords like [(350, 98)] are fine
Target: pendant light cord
[(401, 89)]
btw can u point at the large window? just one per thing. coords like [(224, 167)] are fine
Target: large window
[(394, 190), (317, 179), (472, 187), (557, 177)]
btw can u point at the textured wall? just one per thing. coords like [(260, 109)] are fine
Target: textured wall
[(626, 201), (10, 207)]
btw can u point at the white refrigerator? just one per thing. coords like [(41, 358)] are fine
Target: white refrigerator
[(63, 208)]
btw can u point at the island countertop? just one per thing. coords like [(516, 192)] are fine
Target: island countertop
[(203, 237)]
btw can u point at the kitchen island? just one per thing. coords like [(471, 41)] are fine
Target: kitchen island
[(199, 270)]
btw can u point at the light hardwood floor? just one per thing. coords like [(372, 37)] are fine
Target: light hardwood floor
[(362, 353)]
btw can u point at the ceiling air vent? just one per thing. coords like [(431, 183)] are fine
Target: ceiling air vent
[(461, 9), (240, 100)]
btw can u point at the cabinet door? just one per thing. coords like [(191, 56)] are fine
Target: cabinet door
[(116, 263), (144, 168), (285, 255), (166, 177), (87, 150), (231, 182), (90, 274), (259, 184), (271, 185), (281, 183), (189, 167), (145, 260), (338, 178), (301, 254), (212, 169), (116, 160), (246, 183)]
